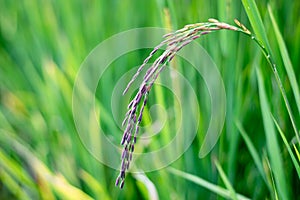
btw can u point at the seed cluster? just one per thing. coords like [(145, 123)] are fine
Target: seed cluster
[(173, 42)]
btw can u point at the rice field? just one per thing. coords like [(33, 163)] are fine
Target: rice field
[(214, 112)]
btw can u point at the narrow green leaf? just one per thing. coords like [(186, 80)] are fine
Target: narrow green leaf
[(296, 164), (15, 170), (13, 185), (252, 151), (259, 30), (97, 188), (225, 180), (297, 152), (210, 186), (286, 59), (271, 176), (57, 182), (151, 191), (272, 144), (256, 22)]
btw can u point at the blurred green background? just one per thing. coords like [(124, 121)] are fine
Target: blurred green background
[(42, 45)]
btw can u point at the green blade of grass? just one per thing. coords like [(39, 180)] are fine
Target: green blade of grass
[(252, 151), (15, 170), (296, 164), (203, 183), (286, 59), (228, 40), (225, 180), (97, 188), (273, 185), (149, 190), (17, 190), (272, 144), (259, 30), (55, 182), (297, 152), (256, 22)]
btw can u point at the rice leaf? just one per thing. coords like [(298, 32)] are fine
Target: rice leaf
[(272, 143), (15, 169), (203, 183), (252, 151), (297, 152), (267, 162), (256, 22), (57, 182), (259, 30), (151, 191), (94, 185), (296, 164), (17, 190), (286, 59), (225, 180)]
